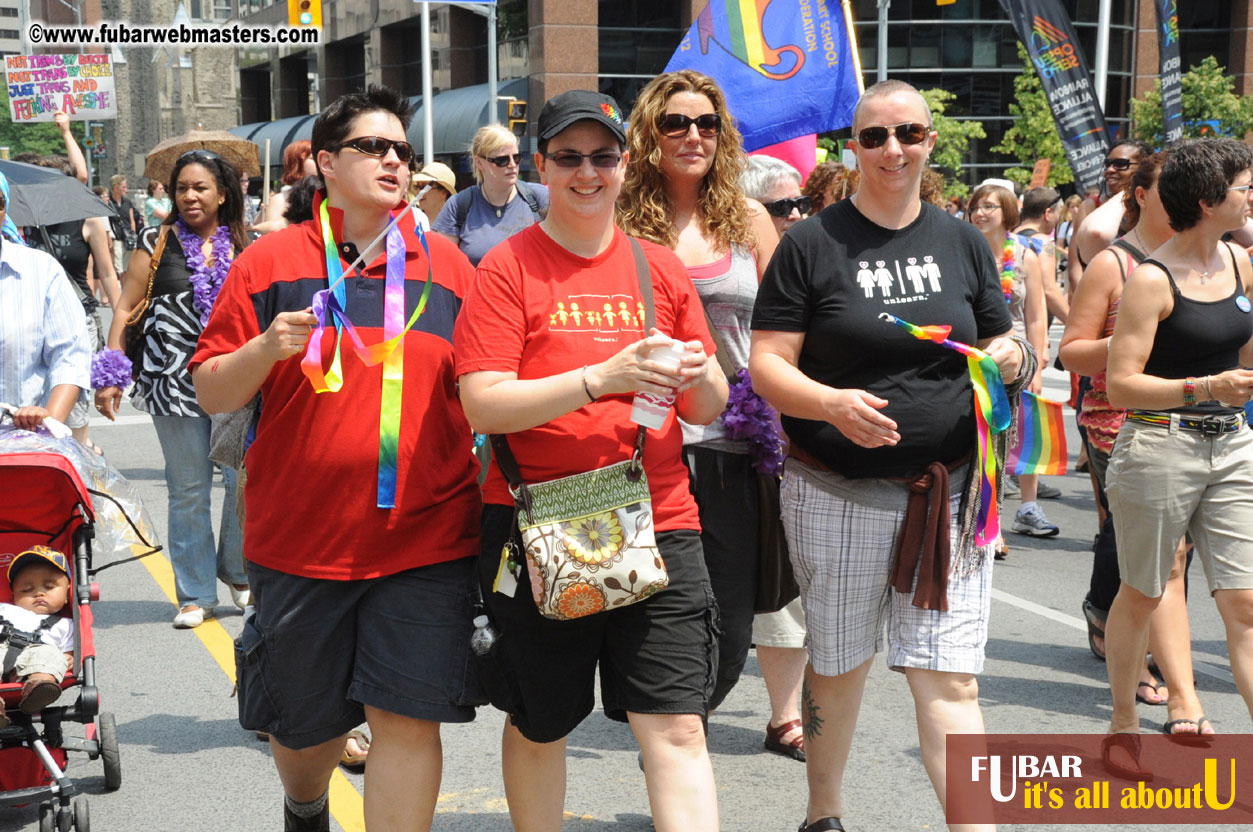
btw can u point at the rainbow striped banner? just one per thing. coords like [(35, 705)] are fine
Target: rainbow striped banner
[(1041, 447)]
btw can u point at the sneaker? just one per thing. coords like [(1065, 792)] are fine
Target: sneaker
[(1011, 490), (1031, 520), (1045, 491)]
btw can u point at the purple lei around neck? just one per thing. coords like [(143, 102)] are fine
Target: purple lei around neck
[(206, 281), (749, 418)]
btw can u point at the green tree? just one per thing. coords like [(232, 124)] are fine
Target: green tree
[(42, 138), (1207, 96), (1033, 135), (953, 141)]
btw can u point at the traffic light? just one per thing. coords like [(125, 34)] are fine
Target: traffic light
[(517, 117), (304, 12)]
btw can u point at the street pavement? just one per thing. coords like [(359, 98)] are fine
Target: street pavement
[(187, 765)]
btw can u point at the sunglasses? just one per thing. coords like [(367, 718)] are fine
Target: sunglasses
[(911, 132), (783, 207), (504, 161), (569, 159), (377, 146), (1232, 188), (675, 125), (200, 153), (1118, 164)]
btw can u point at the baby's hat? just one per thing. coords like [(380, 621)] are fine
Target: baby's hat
[(36, 553)]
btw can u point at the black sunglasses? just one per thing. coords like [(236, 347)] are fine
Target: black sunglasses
[(607, 159), (200, 153), (505, 160), (377, 146), (1118, 164), (911, 132), (677, 124), (783, 207)]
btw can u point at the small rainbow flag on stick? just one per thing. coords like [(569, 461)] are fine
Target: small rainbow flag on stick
[(1041, 447), (992, 415)]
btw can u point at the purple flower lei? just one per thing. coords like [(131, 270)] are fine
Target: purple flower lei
[(206, 281), (749, 418)]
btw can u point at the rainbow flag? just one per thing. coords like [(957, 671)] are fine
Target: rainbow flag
[(1041, 447)]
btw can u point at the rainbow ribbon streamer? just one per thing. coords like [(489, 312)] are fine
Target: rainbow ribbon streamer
[(330, 302), (992, 415), (1041, 447)]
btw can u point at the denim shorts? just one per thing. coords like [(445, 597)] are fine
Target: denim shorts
[(317, 651), (657, 656)]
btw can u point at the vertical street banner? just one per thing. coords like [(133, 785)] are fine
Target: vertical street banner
[(1172, 71), (1045, 30), (81, 86), (788, 67)]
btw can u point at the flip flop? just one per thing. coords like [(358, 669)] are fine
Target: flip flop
[(822, 825), (347, 758), (774, 740), (1096, 628), (1189, 737), (1131, 744), (1155, 687)]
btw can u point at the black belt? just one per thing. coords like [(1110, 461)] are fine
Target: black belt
[(1205, 425)]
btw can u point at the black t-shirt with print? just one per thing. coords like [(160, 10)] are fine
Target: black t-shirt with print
[(831, 278)]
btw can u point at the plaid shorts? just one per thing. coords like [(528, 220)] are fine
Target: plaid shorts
[(843, 553)]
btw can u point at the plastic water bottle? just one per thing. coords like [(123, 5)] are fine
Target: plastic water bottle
[(484, 636), (648, 409)]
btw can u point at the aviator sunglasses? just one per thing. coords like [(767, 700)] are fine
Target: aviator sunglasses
[(783, 207), (675, 125), (505, 160), (911, 132), (377, 147)]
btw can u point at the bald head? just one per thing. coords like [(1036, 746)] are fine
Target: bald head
[(884, 89)]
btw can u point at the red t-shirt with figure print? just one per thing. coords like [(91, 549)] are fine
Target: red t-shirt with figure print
[(537, 309)]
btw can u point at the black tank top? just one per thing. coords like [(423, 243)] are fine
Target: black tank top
[(1201, 338), (66, 243)]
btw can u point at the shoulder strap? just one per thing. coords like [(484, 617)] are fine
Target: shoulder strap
[(1122, 243), (1235, 268), (461, 208), (1174, 288), (500, 443), (532, 201), (157, 251), (720, 347)]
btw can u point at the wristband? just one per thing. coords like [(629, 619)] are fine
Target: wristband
[(587, 389), (1209, 394), (110, 368), (1189, 390)]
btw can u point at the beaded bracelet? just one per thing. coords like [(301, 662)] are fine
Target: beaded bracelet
[(1189, 390), (110, 368)]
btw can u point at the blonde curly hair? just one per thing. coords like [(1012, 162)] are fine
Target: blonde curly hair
[(645, 209)]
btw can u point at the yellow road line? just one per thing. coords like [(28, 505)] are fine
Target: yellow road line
[(347, 806)]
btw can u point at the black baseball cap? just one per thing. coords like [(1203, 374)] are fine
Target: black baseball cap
[(577, 105)]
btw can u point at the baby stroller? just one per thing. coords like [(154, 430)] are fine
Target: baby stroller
[(43, 501)]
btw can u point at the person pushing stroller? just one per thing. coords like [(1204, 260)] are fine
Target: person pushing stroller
[(37, 643)]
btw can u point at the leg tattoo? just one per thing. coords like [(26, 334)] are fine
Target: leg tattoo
[(812, 723)]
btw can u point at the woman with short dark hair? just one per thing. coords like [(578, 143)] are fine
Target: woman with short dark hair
[(1183, 460)]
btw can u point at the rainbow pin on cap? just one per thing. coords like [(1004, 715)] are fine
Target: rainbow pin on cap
[(578, 105), (37, 553)]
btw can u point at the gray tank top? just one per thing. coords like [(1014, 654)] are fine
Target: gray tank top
[(728, 289)]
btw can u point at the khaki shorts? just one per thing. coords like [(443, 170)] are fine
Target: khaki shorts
[(1161, 484), (785, 628)]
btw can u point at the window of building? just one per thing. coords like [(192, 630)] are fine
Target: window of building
[(636, 41), (9, 34), (8, 12)]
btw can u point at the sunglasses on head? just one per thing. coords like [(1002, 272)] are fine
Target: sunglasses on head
[(200, 153), (677, 124), (505, 160), (911, 132), (377, 146), (607, 159), (1118, 164), (783, 207)]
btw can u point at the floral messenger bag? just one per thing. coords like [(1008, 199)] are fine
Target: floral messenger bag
[(588, 538)]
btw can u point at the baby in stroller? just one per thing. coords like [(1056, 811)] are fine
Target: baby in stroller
[(36, 641)]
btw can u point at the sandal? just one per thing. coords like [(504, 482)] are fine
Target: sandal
[(822, 825), (1197, 737), (1155, 687), (1096, 628), (1131, 744), (774, 740), (349, 759)]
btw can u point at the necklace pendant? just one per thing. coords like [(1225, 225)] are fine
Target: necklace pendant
[(498, 213)]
